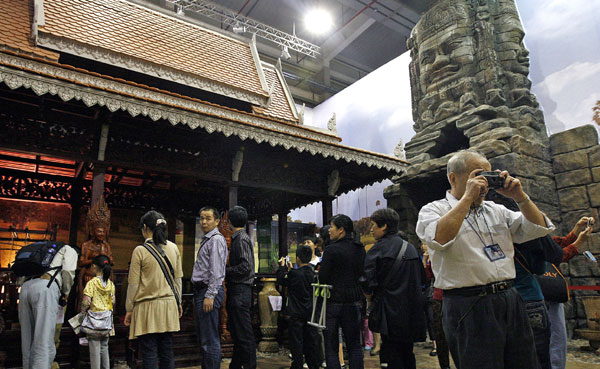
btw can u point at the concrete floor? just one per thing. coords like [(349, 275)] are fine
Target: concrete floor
[(424, 361)]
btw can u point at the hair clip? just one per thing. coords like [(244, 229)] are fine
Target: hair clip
[(160, 221)]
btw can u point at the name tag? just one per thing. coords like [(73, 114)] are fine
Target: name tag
[(494, 252)]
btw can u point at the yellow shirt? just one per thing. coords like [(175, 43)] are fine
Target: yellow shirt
[(102, 296)]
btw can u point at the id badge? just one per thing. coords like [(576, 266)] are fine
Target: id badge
[(494, 252)]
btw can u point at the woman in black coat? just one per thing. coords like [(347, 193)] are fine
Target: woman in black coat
[(342, 267), (400, 301)]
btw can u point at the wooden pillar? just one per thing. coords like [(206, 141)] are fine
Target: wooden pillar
[(233, 196), (283, 233), (327, 210), (75, 211), (98, 182)]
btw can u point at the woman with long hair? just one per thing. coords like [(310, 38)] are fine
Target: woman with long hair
[(153, 297)]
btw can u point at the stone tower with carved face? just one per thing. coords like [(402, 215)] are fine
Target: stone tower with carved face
[(470, 89)]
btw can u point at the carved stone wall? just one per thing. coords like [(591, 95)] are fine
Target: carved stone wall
[(470, 89), (576, 164)]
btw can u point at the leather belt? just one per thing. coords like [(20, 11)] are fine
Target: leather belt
[(488, 289)]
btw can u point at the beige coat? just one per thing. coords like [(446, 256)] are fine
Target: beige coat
[(154, 305)]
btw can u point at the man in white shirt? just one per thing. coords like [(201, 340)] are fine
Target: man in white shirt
[(39, 306), (470, 243)]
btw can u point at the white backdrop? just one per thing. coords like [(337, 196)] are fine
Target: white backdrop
[(563, 37)]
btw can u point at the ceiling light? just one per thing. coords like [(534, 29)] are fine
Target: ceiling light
[(285, 53), (318, 21), (239, 29)]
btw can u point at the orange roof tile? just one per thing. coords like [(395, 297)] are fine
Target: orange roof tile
[(15, 28), (279, 106), (135, 31)]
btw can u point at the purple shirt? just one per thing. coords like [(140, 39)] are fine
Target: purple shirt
[(209, 267)]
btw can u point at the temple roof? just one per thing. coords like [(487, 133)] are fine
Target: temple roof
[(125, 34), (281, 104), (15, 28)]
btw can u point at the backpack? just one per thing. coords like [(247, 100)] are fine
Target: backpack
[(34, 259)]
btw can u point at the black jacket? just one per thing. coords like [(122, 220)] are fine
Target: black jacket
[(341, 267), (403, 299), (299, 283)]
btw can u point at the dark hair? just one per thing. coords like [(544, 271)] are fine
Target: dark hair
[(387, 217), (156, 222), (304, 253), (102, 262), (238, 216), (309, 238), (402, 235), (214, 210), (324, 233), (343, 221)]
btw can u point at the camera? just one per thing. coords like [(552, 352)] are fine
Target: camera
[(493, 178)]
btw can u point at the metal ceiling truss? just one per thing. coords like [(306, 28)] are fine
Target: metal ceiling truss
[(211, 10)]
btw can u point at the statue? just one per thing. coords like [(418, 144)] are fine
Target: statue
[(98, 226), (469, 60)]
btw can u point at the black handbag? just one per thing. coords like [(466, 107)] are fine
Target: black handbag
[(375, 313), (554, 285)]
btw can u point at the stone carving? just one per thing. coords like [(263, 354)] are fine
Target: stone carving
[(399, 150), (331, 124), (467, 54), (98, 225)]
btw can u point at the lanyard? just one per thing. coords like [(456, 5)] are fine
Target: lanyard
[(477, 233)]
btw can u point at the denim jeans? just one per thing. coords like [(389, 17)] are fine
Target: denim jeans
[(157, 350), (348, 317), (558, 336), (540, 325), (207, 328)]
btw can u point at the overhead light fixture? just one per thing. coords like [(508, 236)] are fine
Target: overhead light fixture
[(239, 29), (285, 53), (178, 9), (318, 21)]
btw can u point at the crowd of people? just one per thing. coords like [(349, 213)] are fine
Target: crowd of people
[(481, 250)]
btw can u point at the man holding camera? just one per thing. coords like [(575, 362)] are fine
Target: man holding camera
[(470, 244)]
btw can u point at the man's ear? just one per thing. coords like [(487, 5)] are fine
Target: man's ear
[(452, 178)]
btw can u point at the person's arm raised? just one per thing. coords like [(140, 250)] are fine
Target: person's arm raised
[(514, 190), (449, 224)]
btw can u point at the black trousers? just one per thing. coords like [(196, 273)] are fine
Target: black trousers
[(239, 324), (489, 332), (304, 340), (440, 338), (399, 354)]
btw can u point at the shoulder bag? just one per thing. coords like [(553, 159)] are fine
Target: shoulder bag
[(375, 312), (164, 263), (553, 284)]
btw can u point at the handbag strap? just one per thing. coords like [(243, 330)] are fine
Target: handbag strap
[(395, 266), (162, 259)]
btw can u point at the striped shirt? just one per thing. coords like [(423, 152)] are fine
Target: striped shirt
[(210, 262), (241, 259)]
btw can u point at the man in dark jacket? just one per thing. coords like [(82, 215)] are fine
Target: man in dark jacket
[(303, 337), (239, 278), (400, 300)]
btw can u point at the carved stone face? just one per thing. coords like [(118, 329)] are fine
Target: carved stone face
[(445, 57), (512, 52), (99, 234)]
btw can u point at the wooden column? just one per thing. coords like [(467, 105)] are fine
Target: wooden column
[(283, 233), (233, 196), (98, 182), (75, 211), (327, 210)]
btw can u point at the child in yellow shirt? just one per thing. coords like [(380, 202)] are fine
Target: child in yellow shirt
[(97, 306)]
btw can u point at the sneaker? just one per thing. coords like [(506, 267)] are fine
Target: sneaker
[(324, 365), (384, 365), (305, 365), (433, 352), (368, 348)]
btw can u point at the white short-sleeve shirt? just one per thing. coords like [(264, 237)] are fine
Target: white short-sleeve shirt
[(462, 261)]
